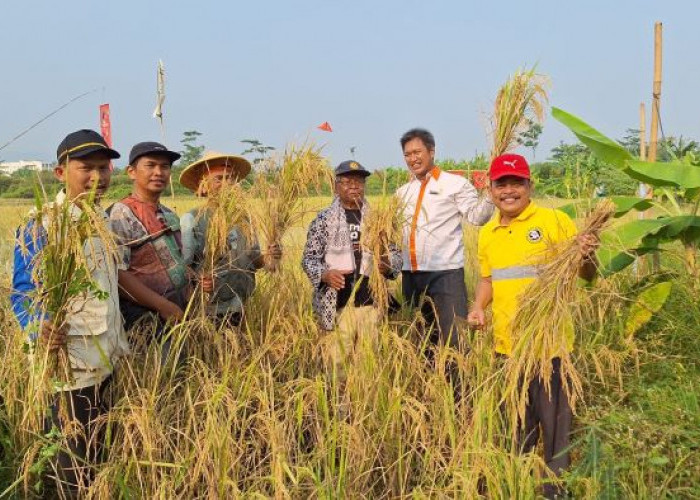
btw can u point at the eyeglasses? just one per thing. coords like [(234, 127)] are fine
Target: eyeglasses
[(350, 181)]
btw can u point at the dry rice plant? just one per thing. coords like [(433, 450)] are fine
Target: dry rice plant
[(381, 231), (226, 208), (602, 353), (73, 236), (281, 187), (519, 102), (550, 306), (252, 412)]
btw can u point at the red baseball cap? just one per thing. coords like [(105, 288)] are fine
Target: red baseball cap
[(509, 164)]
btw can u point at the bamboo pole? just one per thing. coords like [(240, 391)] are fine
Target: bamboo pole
[(655, 114), (172, 188), (656, 94)]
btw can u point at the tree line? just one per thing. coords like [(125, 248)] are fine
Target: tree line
[(570, 171)]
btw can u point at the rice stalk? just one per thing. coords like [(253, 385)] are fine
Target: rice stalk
[(520, 101), (74, 240), (282, 186), (381, 232), (226, 208), (549, 308), (602, 352), (68, 233), (250, 412)]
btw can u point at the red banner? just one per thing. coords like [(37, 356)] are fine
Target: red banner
[(105, 124)]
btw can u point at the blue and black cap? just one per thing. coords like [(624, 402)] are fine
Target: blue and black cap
[(151, 148), (82, 143), (351, 167)]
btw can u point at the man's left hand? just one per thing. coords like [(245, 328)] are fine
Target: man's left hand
[(588, 243), (274, 251), (384, 266), (207, 282)]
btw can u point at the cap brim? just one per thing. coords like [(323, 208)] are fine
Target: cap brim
[(508, 174), (363, 173), (81, 153), (171, 155), (192, 175)]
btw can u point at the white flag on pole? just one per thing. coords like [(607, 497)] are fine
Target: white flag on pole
[(160, 92)]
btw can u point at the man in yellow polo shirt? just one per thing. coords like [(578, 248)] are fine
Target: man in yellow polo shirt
[(512, 245)]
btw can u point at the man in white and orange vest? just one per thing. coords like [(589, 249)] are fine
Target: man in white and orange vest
[(435, 205)]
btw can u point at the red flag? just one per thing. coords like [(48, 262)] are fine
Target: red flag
[(325, 126), (106, 124)]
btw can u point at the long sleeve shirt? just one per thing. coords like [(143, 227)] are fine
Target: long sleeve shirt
[(326, 231), (434, 210), (32, 240)]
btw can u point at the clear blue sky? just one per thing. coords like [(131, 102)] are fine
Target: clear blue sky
[(273, 70)]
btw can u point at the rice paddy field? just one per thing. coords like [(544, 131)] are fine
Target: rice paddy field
[(254, 413)]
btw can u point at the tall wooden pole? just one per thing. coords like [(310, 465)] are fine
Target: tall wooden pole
[(655, 114), (656, 94)]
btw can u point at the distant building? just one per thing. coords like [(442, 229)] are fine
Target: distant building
[(11, 167)]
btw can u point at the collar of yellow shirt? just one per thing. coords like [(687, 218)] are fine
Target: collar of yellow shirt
[(524, 215)]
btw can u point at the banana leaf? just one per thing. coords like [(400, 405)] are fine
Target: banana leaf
[(649, 302), (675, 174), (623, 204), (603, 147), (620, 246)]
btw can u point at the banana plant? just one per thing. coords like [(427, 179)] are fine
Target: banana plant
[(679, 181)]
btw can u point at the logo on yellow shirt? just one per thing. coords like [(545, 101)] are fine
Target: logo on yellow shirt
[(534, 235)]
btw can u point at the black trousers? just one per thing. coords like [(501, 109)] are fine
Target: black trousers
[(232, 320), (83, 407), (135, 314), (448, 293), (549, 416)]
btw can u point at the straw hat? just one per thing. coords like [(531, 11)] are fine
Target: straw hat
[(192, 175)]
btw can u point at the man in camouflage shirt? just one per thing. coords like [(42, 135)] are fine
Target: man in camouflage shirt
[(154, 283)]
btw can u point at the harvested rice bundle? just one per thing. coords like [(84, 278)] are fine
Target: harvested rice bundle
[(281, 187), (520, 102), (72, 236), (380, 232), (227, 207), (549, 308)]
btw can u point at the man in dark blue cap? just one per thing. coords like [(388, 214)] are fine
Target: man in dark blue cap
[(92, 331), (338, 267), (154, 283)]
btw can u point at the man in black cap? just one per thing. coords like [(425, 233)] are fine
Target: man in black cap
[(87, 157), (154, 282), (337, 266), (92, 331)]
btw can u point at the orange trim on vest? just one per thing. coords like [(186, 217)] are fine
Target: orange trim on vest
[(435, 174)]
